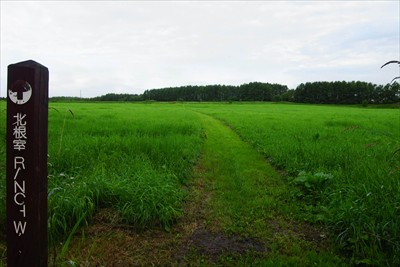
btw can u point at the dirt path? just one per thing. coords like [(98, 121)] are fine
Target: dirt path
[(230, 216)]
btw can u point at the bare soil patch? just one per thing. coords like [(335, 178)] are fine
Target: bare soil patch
[(213, 245)]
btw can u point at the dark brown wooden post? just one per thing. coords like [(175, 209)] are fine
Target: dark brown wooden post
[(27, 117)]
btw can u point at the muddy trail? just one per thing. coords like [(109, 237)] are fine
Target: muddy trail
[(231, 217)]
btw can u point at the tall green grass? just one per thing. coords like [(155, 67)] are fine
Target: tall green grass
[(132, 158), (345, 160)]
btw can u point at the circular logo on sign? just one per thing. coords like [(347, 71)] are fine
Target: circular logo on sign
[(20, 92)]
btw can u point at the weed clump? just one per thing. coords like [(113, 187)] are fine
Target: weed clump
[(311, 185)]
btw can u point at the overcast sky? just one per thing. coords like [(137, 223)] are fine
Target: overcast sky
[(98, 47)]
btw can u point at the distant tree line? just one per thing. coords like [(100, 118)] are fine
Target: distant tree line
[(339, 92), (255, 91), (118, 97), (107, 97), (66, 99), (346, 93)]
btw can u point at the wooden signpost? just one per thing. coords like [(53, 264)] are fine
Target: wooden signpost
[(27, 117)]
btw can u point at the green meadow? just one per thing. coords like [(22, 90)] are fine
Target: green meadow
[(344, 161), (282, 184)]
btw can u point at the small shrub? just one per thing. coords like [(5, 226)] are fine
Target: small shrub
[(364, 103), (311, 184)]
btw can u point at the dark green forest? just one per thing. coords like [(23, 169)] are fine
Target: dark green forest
[(346, 93), (338, 92), (255, 91)]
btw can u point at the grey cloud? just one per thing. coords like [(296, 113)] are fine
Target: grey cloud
[(100, 47)]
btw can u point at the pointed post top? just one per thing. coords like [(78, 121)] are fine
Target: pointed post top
[(29, 63)]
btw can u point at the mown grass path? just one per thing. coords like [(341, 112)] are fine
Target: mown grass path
[(249, 200), (238, 212), (243, 185)]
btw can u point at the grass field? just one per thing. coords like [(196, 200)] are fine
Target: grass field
[(132, 158), (334, 199), (345, 161)]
